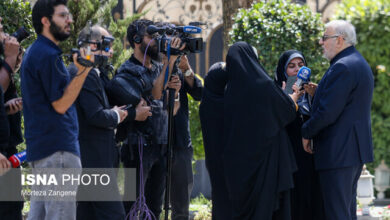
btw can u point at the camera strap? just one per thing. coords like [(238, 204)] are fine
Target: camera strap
[(169, 57)]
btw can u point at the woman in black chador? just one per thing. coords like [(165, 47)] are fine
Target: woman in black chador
[(211, 118), (306, 202), (258, 158)]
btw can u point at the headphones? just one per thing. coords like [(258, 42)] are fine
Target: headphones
[(137, 38)]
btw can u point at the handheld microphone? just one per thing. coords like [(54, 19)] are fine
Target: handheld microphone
[(303, 76), (17, 159)]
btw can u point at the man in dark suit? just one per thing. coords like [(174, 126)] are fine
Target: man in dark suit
[(340, 123), (97, 122)]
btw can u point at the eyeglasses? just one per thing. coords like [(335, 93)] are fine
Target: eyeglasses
[(326, 37), (65, 15)]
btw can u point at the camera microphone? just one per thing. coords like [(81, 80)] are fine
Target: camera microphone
[(151, 29), (196, 23), (303, 76)]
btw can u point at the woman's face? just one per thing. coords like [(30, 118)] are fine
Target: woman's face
[(293, 66)]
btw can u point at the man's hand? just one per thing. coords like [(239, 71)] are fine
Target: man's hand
[(184, 65), (5, 165), (175, 44), (122, 113), (81, 68), (175, 83), (142, 111), (14, 105), (310, 88), (306, 145), (11, 51)]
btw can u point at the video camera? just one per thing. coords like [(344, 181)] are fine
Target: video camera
[(103, 45), (193, 45), (21, 34)]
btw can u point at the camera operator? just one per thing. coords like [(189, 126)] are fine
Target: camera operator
[(182, 176), (139, 84), (10, 127), (97, 121), (51, 127)]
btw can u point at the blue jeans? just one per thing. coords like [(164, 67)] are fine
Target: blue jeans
[(54, 210)]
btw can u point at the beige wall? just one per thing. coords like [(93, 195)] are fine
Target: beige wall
[(180, 12), (184, 11)]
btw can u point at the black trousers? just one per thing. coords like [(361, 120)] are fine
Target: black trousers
[(182, 182), (338, 187), (154, 174)]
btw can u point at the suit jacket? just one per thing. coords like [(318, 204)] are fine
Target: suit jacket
[(340, 123), (97, 123)]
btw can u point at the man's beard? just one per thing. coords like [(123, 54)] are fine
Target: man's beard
[(152, 51), (55, 30)]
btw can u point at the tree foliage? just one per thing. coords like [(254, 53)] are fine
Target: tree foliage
[(371, 19), (15, 14), (278, 25), (195, 128)]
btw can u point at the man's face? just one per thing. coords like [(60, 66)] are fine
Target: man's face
[(329, 43), (152, 50), (60, 23)]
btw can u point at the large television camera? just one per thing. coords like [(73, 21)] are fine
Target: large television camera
[(166, 32)]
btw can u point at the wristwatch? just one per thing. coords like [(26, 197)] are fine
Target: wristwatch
[(188, 72)]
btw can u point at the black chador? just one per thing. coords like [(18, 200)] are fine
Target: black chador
[(211, 118), (258, 159)]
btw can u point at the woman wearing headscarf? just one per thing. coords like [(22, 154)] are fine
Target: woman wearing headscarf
[(306, 201), (211, 118), (258, 158)]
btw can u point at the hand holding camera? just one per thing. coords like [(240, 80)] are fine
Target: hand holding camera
[(11, 50), (82, 59)]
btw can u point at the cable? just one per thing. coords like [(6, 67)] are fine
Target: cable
[(140, 208), (146, 50)]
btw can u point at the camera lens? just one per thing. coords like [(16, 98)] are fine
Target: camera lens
[(21, 34)]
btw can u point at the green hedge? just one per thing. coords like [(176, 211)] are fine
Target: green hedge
[(17, 13), (278, 25)]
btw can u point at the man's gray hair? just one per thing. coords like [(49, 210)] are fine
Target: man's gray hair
[(93, 32), (344, 28)]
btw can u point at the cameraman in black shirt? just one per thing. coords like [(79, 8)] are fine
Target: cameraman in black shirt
[(139, 84), (182, 177)]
